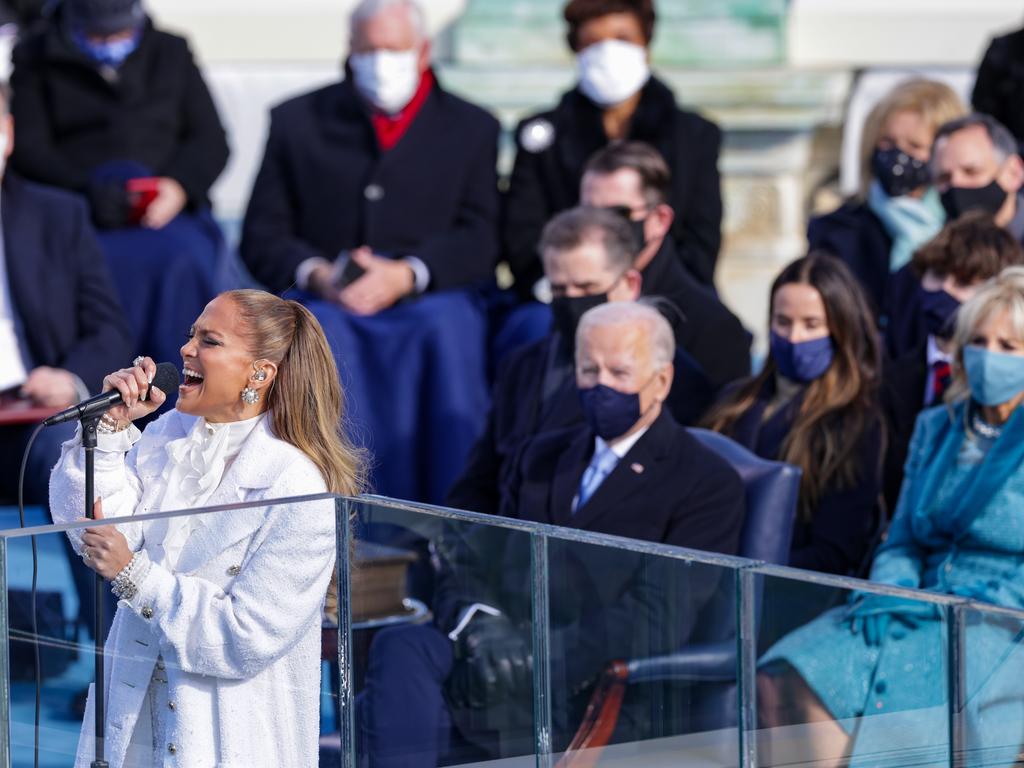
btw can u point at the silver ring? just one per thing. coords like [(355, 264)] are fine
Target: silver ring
[(138, 360), (86, 555)]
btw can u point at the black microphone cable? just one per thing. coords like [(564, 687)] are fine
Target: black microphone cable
[(35, 576)]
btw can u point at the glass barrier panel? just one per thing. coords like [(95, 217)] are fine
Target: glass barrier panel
[(643, 664), (215, 658), (443, 638), (988, 712), (850, 671)]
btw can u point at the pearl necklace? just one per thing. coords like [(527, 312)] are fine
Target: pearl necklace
[(985, 429)]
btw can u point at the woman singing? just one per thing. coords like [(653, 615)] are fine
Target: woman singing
[(214, 653)]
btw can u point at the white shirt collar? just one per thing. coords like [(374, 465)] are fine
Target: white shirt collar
[(622, 447), (936, 355)]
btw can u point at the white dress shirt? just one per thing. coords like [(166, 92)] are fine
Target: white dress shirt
[(620, 448), (13, 371), (934, 355)]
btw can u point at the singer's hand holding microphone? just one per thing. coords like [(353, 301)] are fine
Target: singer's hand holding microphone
[(128, 394), (138, 394)]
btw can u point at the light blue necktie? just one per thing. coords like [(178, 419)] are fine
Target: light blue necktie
[(600, 467)]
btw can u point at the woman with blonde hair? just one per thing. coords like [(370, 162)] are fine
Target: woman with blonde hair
[(215, 647), (958, 531), (897, 210)]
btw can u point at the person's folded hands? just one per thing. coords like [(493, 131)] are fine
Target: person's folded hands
[(871, 615)]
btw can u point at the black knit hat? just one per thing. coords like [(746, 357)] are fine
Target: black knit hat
[(104, 17)]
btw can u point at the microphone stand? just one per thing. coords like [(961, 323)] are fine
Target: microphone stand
[(89, 424)]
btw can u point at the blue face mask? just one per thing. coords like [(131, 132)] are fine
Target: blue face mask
[(610, 413), (109, 53), (939, 311), (803, 361), (994, 377)]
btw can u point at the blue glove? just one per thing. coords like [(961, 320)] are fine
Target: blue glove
[(871, 615)]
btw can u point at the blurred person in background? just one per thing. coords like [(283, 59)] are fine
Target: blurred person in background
[(24, 12), (957, 531), (112, 107), (381, 187), (633, 177), (460, 688), (975, 167), (616, 98), (999, 85), (588, 257), (815, 405), (952, 267), (61, 329), (897, 210), (377, 199)]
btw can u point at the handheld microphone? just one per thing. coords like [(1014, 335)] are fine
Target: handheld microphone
[(165, 379)]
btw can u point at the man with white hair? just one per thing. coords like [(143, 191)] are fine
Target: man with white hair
[(630, 453), (630, 471), (378, 199), (380, 187)]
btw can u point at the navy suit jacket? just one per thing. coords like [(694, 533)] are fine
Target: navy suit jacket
[(605, 603), (325, 186), (67, 310)]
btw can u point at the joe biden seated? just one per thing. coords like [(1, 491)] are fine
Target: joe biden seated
[(461, 688)]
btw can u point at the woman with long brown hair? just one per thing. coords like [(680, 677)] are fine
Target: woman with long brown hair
[(215, 647), (814, 405)]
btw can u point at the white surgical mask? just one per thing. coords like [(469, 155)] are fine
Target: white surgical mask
[(386, 79), (611, 71)]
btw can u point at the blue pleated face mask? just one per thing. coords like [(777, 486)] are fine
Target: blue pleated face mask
[(994, 377), (802, 361), (111, 53), (609, 412)]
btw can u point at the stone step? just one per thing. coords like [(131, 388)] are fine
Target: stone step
[(739, 99), (689, 32)]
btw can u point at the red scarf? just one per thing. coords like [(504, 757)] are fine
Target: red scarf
[(391, 128)]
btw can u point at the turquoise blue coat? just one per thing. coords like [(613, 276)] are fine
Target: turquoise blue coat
[(955, 531)]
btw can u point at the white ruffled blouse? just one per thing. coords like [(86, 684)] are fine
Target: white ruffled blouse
[(196, 465)]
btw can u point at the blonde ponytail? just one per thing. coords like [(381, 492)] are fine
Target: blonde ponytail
[(306, 401)]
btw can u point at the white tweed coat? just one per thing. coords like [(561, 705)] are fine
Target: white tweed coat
[(237, 623)]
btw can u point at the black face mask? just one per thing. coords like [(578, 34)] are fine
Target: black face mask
[(959, 200), (638, 226), (639, 233), (566, 313), (899, 173)]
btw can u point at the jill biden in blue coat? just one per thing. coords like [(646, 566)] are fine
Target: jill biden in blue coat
[(958, 530)]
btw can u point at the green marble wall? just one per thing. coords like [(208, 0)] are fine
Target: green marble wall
[(690, 33)]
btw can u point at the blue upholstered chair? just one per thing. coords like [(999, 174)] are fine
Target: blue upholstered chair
[(772, 489)]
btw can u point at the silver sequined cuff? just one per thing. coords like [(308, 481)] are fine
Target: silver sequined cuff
[(126, 584)]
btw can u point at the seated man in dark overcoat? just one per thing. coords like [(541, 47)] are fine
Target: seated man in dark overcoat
[(461, 687)]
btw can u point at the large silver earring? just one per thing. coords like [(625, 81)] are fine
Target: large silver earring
[(250, 396)]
